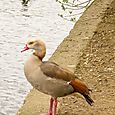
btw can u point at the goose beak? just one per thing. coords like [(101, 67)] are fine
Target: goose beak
[(25, 48)]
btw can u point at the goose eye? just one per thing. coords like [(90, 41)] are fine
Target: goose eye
[(30, 43)]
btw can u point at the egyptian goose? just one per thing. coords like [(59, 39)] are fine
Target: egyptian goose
[(50, 78)]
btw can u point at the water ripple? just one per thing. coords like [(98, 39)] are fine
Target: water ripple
[(17, 23)]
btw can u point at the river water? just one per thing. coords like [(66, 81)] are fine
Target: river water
[(17, 23)]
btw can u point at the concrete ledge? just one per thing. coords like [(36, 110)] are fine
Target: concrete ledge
[(70, 54), (72, 47)]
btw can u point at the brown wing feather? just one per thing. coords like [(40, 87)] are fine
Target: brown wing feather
[(81, 88), (53, 70)]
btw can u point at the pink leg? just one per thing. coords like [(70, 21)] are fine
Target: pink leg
[(50, 109), (55, 106), (51, 106)]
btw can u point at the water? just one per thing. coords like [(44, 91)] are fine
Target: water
[(17, 23)]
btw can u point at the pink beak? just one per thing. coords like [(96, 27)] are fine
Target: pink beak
[(25, 48)]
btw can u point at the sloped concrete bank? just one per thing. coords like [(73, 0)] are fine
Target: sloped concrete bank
[(89, 52)]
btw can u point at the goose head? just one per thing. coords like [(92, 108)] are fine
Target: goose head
[(37, 45)]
